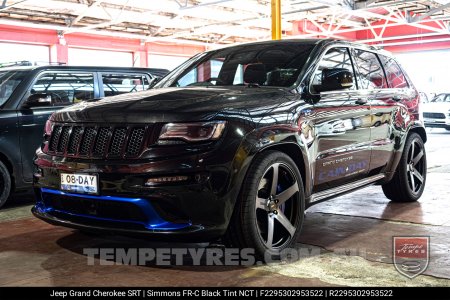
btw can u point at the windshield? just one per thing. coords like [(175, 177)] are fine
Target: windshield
[(272, 64), (9, 80), (441, 98)]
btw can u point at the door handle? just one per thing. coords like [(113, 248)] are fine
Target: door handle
[(361, 101)]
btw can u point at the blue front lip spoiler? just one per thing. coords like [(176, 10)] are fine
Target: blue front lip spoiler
[(155, 222)]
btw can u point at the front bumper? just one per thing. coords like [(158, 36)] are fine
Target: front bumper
[(198, 209)]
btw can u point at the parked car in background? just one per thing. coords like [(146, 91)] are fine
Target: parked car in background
[(235, 144), (436, 113), (29, 94)]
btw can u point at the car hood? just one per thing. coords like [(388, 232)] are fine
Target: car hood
[(180, 104), (439, 107)]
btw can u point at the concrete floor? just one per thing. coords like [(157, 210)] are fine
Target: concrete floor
[(350, 236)]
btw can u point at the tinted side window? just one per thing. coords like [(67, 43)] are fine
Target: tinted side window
[(334, 58), (394, 74), (115, 84), (9, 80), (370, 71), (65, 88)]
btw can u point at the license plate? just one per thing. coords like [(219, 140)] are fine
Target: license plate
[(80, 183)]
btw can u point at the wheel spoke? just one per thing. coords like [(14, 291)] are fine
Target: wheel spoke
[(273, 189), (412, 151), (417, 158), (270, 227), (413, 184), (288, 193), (261, 203), (285, 222), (418, 175)]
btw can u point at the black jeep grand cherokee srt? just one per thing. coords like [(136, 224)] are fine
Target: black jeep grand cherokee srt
[(235, 143)]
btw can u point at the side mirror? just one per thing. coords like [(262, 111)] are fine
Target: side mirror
[(335, 79), (36, 100)]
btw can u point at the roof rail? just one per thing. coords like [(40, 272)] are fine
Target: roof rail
[(29, 63), (54, 63), (16, 63)]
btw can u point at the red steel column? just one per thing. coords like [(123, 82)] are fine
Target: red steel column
[(59, 54)]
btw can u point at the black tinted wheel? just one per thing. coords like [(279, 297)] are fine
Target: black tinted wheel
[(5, 184), (409, 179), (269, 213)]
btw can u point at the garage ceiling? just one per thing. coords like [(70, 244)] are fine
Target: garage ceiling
[(231, 21)]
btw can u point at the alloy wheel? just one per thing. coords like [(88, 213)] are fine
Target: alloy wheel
[(415, 168), (276, 206)]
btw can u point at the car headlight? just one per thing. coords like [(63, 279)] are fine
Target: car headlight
[(193, 132)]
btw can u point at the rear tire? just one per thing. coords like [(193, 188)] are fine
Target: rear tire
[(268, 214), (409, 179), (5, 184)]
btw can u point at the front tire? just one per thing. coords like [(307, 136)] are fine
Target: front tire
[(5, 184), (268, 215), (408, 183)]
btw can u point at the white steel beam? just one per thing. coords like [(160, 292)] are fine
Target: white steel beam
[(5, 7), (84, 13)]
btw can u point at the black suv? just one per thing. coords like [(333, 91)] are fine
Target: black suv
[(235, 143), (29, 94)]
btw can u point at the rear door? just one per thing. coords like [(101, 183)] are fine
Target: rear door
[(342, 127), (64, 88), (383, 77)]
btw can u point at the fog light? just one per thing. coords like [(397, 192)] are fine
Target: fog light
[(165, 179)]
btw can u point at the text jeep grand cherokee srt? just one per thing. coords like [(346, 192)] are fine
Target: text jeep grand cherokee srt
[(235, 143)]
